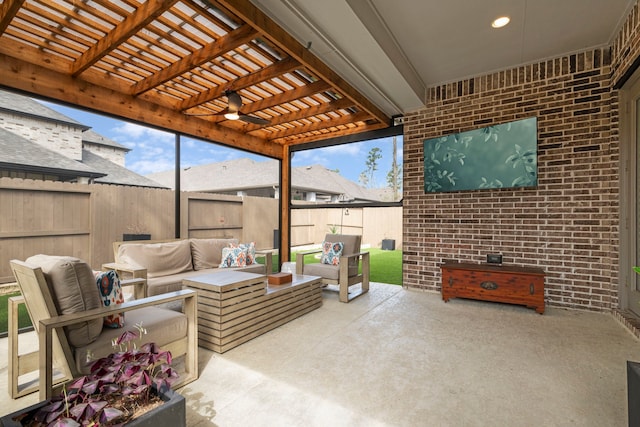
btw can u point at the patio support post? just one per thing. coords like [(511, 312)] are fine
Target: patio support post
[(177, 188), (285, 209)]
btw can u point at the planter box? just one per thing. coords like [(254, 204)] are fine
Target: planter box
[(172, 413)]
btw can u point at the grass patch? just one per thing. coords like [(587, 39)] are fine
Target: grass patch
[(23, 316), (386, 266)]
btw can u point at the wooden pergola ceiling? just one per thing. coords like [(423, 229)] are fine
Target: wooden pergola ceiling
[(168, 62)]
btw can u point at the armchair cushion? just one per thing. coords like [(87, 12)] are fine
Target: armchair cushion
[(74, 290), (331, 252), (110, 290), (163, 326), (207, 253), (160, 259)]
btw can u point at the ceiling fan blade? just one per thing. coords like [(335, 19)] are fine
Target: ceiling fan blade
[(253, 119)]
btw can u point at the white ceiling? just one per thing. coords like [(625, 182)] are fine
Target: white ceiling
[(392, 50)]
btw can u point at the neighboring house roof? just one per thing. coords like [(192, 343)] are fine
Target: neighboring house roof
[(115, 174), (95, 138), (23, 105), (18, 153), (245, 174)]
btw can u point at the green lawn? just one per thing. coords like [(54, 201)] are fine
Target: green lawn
[(23, 316), (386, 266)]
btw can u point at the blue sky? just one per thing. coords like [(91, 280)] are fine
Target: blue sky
[(153, 150)]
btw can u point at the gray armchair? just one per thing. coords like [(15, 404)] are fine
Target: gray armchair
[(353, 268)]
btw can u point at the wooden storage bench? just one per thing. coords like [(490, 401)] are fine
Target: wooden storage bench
[(508, 284), (234, 307)]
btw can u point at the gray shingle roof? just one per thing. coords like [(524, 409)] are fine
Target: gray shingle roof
[(23, 105), (95, 138), (18, 152), (116, 174), (244, 174)]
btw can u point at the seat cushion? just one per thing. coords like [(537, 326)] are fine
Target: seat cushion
[(160, 259), (325, 271), (163, 326), (207, 253), (73, 289)]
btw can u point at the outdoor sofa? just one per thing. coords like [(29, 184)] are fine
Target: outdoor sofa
[(165, 263)]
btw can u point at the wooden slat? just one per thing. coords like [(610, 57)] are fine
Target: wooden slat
[(322, 124), (261, 22), (146, 13), (304, 113), (268, 73), (237, 37)]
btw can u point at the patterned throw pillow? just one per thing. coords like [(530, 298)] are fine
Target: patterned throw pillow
[(110, 293), (233, 257), (331, 252), (250, 250)]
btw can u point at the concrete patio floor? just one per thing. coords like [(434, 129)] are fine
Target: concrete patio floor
[(395, 357)]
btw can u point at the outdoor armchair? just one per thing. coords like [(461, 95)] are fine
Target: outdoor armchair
[(349, 268), (69, 342)]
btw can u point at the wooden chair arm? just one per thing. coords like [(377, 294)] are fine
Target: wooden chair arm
[(268, 259), (134, 271), (300, 259), (47, 326), (140, 287)]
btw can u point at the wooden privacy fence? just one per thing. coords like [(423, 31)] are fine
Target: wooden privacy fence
[(83, 220)]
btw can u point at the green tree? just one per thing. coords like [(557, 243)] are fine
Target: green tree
[(394, 176), (367, 177)]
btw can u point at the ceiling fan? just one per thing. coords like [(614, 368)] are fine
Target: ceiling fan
[(232, 112)]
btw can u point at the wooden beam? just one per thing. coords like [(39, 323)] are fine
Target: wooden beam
[(303, 113), (323, 124), (289, 141), (241, 35), (21, 75), (142, 16), (274, 70), (265, 25), (8, 10)]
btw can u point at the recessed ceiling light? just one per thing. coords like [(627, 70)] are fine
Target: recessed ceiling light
[(500, 22)]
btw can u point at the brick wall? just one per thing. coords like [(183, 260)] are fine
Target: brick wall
[(568, 225)]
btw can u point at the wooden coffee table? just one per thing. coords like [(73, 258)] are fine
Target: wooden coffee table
[(234, 306)]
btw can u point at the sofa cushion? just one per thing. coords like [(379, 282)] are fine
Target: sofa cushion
[(110, 290), (163, 326), (73, 288), (250, 251), (331, 252), (207, 253), (160, 259), (233, 257)]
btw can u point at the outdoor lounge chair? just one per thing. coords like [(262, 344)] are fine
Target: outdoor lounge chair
[(45, 298), (345, 271)]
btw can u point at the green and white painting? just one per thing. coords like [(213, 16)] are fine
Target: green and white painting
[(499, 156)]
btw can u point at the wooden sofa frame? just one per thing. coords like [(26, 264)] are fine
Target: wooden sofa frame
[(54, 349), (126, 270)]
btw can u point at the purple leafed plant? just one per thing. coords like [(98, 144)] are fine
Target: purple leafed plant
[(116, 387)]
